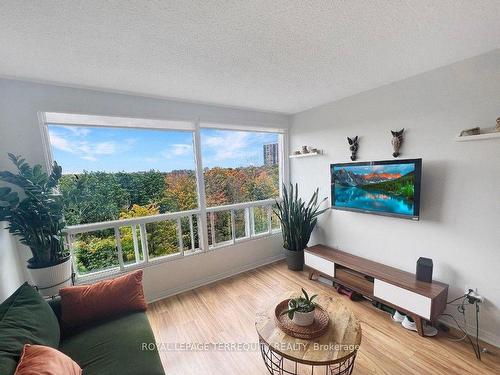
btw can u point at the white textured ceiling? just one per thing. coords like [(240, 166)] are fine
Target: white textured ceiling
[(279, 55)]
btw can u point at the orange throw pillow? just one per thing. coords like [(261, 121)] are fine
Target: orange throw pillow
[(43, 360), (84, 304)]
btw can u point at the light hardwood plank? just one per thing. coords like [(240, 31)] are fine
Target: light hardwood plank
[(224, 313)]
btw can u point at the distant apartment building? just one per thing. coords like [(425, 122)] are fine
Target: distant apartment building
[(271, 154)]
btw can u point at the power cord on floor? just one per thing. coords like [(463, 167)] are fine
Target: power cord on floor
[(466, 300)]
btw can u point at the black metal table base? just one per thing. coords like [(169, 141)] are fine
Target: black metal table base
[(279, 365)]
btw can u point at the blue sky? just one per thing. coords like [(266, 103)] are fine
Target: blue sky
[(78, 148), (391, 168)]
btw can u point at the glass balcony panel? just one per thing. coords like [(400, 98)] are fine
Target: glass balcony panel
[(223, 232), (130, 239), (260, 220), (95, 251), (275, 222), (162, 239), (240, 219)]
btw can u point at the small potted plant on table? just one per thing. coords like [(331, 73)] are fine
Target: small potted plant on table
[(298, 220), (301, 309)]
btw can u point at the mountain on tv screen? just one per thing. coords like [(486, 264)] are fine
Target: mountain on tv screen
[(389, 187)]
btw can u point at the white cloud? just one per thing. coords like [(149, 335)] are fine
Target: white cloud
[(60, 143), (87, 150), (228, 145), (89, 157), (176, 150), (78, 131), (100, 148)]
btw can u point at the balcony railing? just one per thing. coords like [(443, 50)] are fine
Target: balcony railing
[(110, 247)]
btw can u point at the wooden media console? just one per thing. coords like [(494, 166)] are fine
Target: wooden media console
[(391, 286)]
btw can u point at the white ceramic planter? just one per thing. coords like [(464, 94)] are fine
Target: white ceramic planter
[(50, 279), (303, 319)]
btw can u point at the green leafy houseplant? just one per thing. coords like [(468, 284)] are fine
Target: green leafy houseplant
[(298, 220), (37, 218), (302, 304)]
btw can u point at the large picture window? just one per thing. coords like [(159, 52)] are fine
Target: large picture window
[(137, 192), (113, 173), (108, 171), (237, 168)]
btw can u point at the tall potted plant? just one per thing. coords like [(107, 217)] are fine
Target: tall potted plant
[(298, 220), (37, 220)]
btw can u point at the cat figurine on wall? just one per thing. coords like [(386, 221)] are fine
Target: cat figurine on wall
[(397, 141), (353, 146)]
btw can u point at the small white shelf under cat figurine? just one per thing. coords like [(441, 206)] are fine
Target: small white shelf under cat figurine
[(309, 154), (478, 137)]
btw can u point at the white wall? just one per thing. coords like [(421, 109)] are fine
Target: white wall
[(193, 271), (19, 133), (460, 206), (11, 272)]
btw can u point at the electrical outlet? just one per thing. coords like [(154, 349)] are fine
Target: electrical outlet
[(473, 293), (468, 288)]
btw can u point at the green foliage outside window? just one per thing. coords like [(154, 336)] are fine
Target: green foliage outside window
[(98, 196)]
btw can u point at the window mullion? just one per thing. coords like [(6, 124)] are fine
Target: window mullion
[(136, 244), (200, 184), (191, 232), (118, 243), (179, 236), (284, 161), (233, 227), (144, 242)]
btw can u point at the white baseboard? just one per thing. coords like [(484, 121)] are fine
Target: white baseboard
[(485, 336), (213, 278)]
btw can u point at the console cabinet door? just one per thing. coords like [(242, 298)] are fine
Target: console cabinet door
[(411, 301), (320, 264)]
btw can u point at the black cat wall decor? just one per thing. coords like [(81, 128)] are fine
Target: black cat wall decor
[(353, 146), (397, 141)]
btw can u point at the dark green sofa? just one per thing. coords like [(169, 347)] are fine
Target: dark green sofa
[(114, 346)]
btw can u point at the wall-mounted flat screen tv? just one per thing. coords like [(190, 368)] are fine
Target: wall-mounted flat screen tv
[(390, 187)]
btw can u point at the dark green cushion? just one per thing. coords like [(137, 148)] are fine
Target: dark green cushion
[(115, 347), (25, 318)]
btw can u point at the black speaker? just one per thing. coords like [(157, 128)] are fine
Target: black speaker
[(424, 269)]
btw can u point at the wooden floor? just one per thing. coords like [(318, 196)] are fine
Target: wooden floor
[(223, 313)]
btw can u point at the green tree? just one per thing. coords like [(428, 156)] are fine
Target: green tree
[(142, 187), (180, 193), (92, 197), (95, 253), (98, 196), (162, 235)]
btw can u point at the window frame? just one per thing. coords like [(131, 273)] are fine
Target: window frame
[(195, 127)]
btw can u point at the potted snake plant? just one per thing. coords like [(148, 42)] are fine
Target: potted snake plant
[(298, 220), (36, 218)]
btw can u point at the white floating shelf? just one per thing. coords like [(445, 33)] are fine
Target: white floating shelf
[(306, 155), (478, 137)]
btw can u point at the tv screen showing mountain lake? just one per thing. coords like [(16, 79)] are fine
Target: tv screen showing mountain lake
[(386, 188)]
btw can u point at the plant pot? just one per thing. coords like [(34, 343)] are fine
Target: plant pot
[(295, 260), (303, 319), (50, 279)]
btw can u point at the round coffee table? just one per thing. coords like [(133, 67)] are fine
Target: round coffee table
[(332, 353)]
